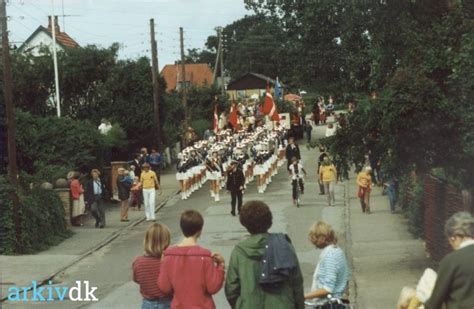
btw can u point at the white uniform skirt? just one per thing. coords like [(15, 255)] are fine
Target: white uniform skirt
[(196, 170), (213, 175), (259, 169), (180, 176)]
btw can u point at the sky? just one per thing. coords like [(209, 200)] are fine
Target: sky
[(102, 22)]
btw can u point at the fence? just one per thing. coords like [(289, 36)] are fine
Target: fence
[(440, 201)]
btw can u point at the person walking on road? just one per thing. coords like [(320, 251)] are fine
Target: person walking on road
[(190, 272), (136, 163), (150, 184), (328, 177), (364, 181), (259, 254), (308, 129), (235, 186), (454, 285), (322, 155), (297, 174), (124, 184), (391, 190), (332, 273), (146, 268), (292, 150), (95, 193), (78, 204), (155, 161)]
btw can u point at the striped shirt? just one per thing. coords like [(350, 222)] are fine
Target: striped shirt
[(332, 272), (145, 272)]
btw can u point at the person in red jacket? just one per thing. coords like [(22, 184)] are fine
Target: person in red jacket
[(190, 272), (78, 204)]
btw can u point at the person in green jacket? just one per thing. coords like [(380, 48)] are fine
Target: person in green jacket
[(242, 288)]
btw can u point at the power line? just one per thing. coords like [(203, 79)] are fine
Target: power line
[(20, 9)]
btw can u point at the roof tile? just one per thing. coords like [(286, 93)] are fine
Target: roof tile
[(197, 73)]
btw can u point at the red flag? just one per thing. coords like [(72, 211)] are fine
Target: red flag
[(216, 120), (269, 106), (234, 116)]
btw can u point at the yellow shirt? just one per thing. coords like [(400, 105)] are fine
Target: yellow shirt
[(327, 172), (148, 179), (364, 180)]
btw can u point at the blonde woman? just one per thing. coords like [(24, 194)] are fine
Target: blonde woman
[(364, 181), (332, 273), (146, 268)]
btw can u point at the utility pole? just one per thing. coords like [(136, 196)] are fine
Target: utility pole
[(55, 61), (219, 48), (154, 73), (222, 66), (10, 121), (183, 80)]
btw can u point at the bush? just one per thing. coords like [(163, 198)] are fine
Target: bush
[(41, 216), (48, 147), (116, 137), (200, 125), (411, 201), (7, 227)]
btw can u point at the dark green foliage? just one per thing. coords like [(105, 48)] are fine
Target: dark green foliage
[(200, 126), (42, 220), (49, 147), (96, 85), (33, 83), (422, 117), (411, 202), (7, 226)]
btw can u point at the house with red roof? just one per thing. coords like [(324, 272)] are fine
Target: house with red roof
[(197, 74), (43, 37)]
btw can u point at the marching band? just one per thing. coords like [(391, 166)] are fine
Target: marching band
[(259, 155)]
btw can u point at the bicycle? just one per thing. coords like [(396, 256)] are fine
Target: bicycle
[(296, 182), (329, 303)]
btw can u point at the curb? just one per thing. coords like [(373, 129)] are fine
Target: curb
[(348, 235), (96, 247)]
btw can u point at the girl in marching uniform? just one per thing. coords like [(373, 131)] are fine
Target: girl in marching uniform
[(214, 174), (195, 169), (182, 175), (259, 169)]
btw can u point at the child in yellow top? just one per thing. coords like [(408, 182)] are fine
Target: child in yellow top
[(149, 183), (327, 171), (328, 176)]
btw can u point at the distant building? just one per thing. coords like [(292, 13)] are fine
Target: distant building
[(43, 37), (197, 74), (250, 85)]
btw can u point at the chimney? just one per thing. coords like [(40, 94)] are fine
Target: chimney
[(55, 23)]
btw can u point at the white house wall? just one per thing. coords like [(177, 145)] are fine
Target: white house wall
[(41, 39)]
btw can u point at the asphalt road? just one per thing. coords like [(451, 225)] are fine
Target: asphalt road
[(109, 268)]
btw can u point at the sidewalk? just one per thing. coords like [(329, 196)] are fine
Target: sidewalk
[(385, 256), (43, 266)]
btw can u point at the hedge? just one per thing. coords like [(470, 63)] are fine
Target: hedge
[(42, 220), (411, 201)]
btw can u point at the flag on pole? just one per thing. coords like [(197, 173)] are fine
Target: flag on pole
[(234, 116), (278, 93), (269, 106)]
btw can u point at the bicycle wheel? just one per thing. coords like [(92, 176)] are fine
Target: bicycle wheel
[(298, 195)]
